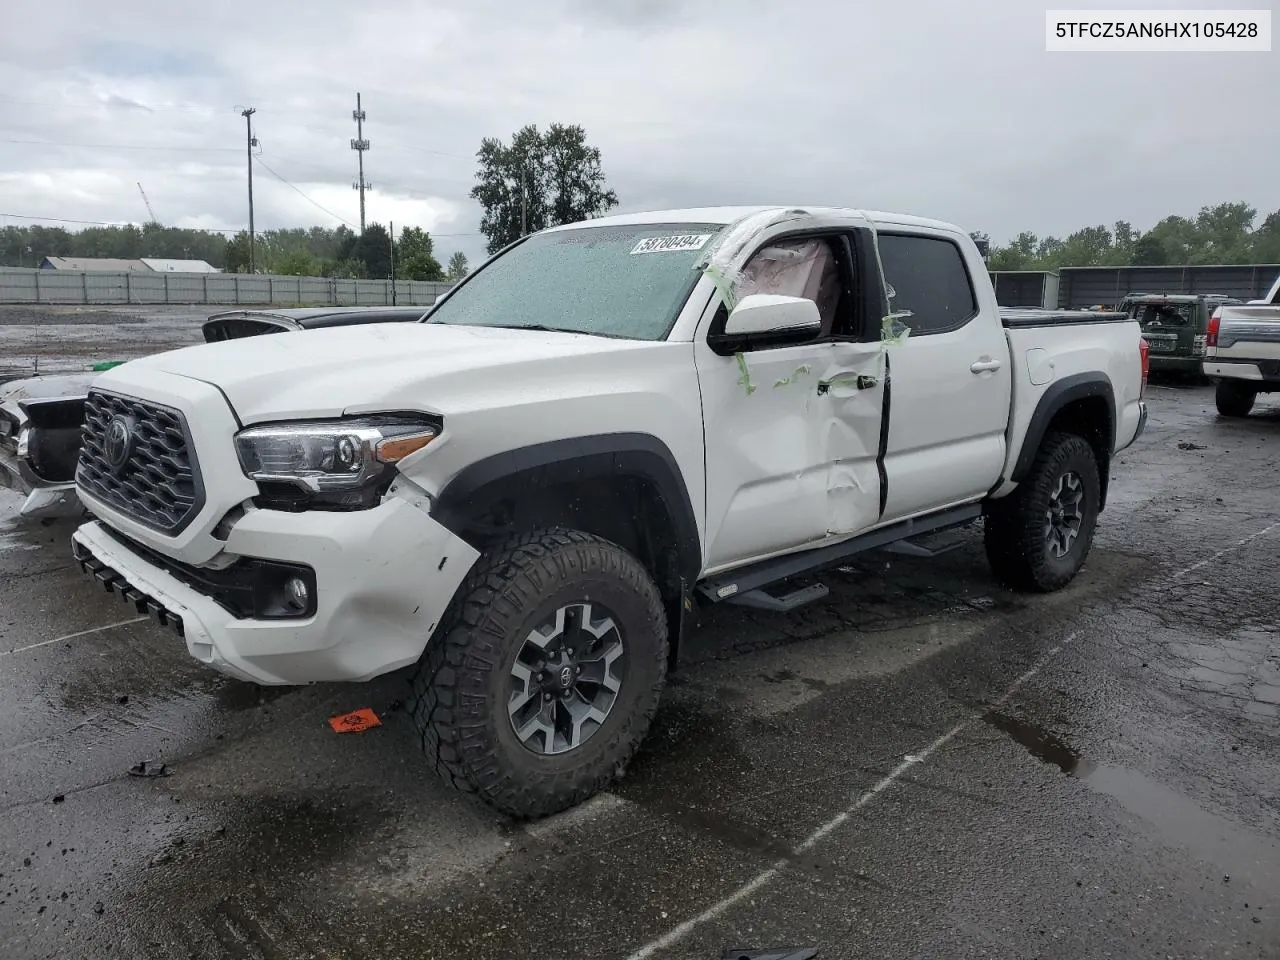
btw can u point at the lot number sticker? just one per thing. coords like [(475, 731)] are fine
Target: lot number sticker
[(688, 241)]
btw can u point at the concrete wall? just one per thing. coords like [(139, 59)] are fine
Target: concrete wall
[(92, 287)]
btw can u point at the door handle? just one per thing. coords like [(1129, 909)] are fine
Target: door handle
[(983, 366), (862, 382)]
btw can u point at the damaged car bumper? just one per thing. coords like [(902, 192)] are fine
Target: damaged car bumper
[(44, 497), (295, 598), (39, 442)]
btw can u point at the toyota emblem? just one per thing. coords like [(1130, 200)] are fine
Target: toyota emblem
[(118, 444)]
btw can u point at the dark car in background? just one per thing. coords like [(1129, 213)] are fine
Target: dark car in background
[(1175, 327), (41, 416)]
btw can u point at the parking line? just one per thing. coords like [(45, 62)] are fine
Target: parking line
[(1225, 550), (911, 760), (72, 636), (678, 933)]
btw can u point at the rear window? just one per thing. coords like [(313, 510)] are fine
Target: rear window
[(1165, 314)]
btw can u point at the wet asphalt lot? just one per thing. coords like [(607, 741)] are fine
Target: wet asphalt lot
[(921, 766)]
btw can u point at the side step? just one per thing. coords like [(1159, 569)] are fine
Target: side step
[(735, 584), (761, 600), (930, 548)]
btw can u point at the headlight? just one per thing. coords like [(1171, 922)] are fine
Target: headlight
[(332, 456)]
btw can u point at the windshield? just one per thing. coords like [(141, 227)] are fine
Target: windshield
[(615, 281)]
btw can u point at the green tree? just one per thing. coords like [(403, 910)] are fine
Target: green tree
[(1266, 240), (575, 176), (415, 256), (1089, 247), (1148, 251), (538, 181), (1223, 233), (373, 249), (236, 255), (297, 263), (458, 266)]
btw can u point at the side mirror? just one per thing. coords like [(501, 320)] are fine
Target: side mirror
[(764, 319)]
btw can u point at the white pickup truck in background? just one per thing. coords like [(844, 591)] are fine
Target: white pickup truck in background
[(523, 496), (1242, 352)]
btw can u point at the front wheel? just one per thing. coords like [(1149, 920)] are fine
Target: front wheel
[(1234, 399), (1039, 537), (546, 673)]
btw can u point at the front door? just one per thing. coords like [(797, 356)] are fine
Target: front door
[(792, 432)]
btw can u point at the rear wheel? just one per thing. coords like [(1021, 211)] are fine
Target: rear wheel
[(546, 673), (1234, 399), (1039, 537)]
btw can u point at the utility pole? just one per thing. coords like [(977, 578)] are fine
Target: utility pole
[(360, 145), (250, 143), (393, 263)]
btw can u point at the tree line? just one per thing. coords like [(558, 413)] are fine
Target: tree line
[(297, 251), (1220, 234)]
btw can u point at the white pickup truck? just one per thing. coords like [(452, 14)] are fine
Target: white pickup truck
[(523, 496), (1242, 352)]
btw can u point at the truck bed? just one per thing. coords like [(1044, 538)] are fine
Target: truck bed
[(1036, 317)]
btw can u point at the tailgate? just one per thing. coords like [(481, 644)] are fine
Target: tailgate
[(1244, 327)]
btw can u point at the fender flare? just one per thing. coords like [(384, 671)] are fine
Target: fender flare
[(1079, 386), (600, 456)]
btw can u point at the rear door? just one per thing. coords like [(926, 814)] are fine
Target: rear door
[(949, 382)]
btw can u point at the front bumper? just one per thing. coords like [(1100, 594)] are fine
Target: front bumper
[(384, 578)]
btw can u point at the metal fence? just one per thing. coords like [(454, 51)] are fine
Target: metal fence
[(92, 287), (1086, 286)]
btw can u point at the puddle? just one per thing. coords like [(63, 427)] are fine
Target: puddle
[(1180, 822), (1042, 744)]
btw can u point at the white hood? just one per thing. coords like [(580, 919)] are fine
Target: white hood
[(382, 366)]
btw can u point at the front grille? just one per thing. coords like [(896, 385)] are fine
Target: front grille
[(158, 481)]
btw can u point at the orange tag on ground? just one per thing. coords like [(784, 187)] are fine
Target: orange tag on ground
[(355, 722)]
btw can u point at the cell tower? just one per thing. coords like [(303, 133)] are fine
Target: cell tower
[(359, 144)]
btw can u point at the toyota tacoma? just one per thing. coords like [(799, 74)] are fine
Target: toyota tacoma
[(522, 497)]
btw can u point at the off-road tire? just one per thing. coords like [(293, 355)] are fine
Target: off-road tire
[(1234, 399), (1015, 526), (462, 684)]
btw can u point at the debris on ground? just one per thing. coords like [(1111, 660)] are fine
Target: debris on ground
[(144, 768), (59, 798), (355, 722), (786, 953), (1188, 445)]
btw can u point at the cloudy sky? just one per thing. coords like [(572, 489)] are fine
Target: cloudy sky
[(944, 109)]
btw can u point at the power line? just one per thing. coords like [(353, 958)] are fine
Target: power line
[(111, 223), (116, 146), (266, 167), (232, 230)]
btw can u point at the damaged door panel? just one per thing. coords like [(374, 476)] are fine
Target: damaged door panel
[(850, 406), (792, 429)]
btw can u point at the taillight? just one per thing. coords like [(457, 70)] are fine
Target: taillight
[(1211, 335), (1144, 351)]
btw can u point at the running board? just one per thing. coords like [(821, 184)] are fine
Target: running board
[(762, 600), (908, 548), (736, 583)]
